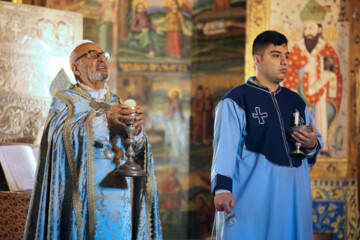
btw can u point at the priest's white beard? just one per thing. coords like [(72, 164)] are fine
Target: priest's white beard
[(97, 76)]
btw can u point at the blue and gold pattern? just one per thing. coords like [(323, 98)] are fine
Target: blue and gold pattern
[(335, 208), (73, 197)]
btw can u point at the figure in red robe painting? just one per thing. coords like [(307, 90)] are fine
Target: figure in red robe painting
[(196, 109), (206, 117), (173, 196), (314, 71), (176, 28)]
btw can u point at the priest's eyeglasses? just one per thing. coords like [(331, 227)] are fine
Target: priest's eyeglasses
[(95, 55)]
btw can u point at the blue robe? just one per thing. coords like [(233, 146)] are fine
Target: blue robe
[(252, 160), (74, 196)]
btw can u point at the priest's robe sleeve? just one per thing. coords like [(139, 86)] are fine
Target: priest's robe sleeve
[(229, 132)]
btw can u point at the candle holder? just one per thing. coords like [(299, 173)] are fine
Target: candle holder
[(298, 125), (130, 168)]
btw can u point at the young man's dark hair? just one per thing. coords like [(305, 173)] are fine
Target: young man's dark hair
[(266, 38)]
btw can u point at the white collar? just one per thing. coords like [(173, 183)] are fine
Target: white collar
[(96, 94)]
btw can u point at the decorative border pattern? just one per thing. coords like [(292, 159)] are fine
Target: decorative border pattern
[(329, 168), (335, 208), (22, 118), (70, 153)]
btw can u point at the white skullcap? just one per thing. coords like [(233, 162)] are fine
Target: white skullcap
[(76, 45), (80, 43)]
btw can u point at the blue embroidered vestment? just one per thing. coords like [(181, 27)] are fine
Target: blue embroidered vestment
[(75, 196)]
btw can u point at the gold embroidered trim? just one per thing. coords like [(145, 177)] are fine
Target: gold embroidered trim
[(89, 163), (90, 150), (139, 145), (82, 92), (149, 188), (107, 95), (71, 158), (69, 101)]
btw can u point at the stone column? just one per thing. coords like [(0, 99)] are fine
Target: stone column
[(34, 45)]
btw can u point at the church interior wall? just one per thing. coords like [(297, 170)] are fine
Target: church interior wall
[(180, 78)]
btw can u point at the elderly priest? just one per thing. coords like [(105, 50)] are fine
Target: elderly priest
[(75, 194)]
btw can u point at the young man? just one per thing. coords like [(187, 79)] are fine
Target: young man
[(265, 190), (75, 195)]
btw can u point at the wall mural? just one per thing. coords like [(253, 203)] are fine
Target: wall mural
[(218, 48), (317, 65), (158, 32), (319, 33), (166, 100), (176, 58), (99, 17), (219, 29), (188, 69)]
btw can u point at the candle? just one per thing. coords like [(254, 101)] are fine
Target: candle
[(297, 118)]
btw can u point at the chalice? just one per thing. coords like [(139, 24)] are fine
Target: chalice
[(130, 168), (298, 125)]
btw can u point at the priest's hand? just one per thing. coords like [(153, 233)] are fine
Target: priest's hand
[(139, 119), (118, 114), (224, 201), (305, 138)]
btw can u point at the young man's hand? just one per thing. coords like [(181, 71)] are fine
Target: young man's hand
[(306, 139), (224, 201)]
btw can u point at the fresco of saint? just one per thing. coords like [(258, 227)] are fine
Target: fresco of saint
[(105, 13), (176, 28), (314, 71), (143, 34), (176, 129)]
